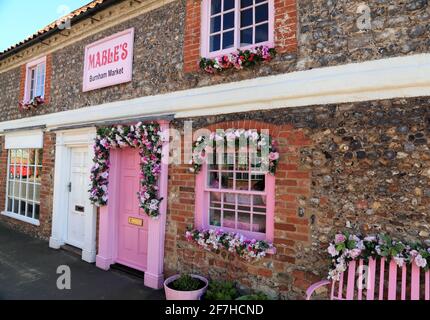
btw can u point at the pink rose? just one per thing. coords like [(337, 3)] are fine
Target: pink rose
[(339, 238), (354, 253), (274, 156)]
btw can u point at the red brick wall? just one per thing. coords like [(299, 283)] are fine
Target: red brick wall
[(273, 273), (285, 30), (46, 193)]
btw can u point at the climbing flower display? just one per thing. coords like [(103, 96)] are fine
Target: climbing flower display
[(217, 240), (347, 247), (148, 139), (263, 154), (238, 60)]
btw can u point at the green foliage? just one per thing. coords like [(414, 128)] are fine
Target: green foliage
[(186, 283), (221, 290)]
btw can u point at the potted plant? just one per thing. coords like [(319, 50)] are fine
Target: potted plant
[(185, 287)]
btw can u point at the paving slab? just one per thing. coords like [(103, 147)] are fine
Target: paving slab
[(28, 270)]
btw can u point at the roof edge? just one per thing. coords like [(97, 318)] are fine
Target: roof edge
[(40, 37)]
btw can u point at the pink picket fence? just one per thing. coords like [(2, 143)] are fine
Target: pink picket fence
[(378, 280)]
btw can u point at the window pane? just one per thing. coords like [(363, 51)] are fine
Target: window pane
[(228, 40), (245, 3), (230, 201), (262, 33), (246, 18), (22, 208), (215, 43), (262, 13), (259, 203), (39, 157), (259, 223), (23, 190), (229, 219), (15, 206), (215, 199), (29, 210), (228, 21), (227, 180), (215, 24), (215, 6), (36, 211), (228, 4), (37, 193), (244, 221), (245, 201), (258, 182), (245, 37), (215, 217), (9, 204), (213, 180)]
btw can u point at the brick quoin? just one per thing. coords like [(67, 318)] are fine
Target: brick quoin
[(291, 230), (285, 27)]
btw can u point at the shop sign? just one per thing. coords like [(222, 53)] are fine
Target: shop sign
[(109, 61)]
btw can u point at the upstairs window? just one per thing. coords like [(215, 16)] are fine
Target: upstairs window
[(35, 79), (228, 25)]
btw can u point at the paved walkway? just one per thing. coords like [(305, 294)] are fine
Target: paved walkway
[(28, 271)]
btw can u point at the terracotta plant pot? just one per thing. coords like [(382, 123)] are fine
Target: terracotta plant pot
[(172, 294)]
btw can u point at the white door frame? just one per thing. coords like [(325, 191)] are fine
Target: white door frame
[(65, 141)]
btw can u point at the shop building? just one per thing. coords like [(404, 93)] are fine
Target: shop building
[(348, 108)]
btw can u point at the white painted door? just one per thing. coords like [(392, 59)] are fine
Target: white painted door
[(77, 195)]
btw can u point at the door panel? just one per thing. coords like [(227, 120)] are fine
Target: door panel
[(132, 239), (77, 197)]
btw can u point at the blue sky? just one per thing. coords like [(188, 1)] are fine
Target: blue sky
[(21, 18)]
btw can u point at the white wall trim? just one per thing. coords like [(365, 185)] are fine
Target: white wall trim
[(28, 139), (407, 76), (65, 141)]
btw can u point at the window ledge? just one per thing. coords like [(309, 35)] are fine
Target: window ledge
[(21, 218)]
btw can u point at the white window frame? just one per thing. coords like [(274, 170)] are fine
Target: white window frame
[(205, 30), (34, 65), (14, 215)]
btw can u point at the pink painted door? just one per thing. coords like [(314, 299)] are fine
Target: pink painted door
[(132, 223)]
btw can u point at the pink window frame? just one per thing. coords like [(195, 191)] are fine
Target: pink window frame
[(205, 27), (28, 67), (202, 206)]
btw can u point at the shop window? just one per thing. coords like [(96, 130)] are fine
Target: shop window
[(237, 196), (23, 183), (229, 25), (35, 79)]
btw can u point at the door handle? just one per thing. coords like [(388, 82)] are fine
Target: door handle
[(69, 187)]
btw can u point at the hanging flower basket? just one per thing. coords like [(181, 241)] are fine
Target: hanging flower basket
[(148, 139), (31, 104), (239, 60)]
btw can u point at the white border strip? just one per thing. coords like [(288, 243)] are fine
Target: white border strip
[(407, 76)]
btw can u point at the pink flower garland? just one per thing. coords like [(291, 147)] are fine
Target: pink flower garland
[(149, 141), (348, 247), (215, 240), (32, 104), (238, 60)]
